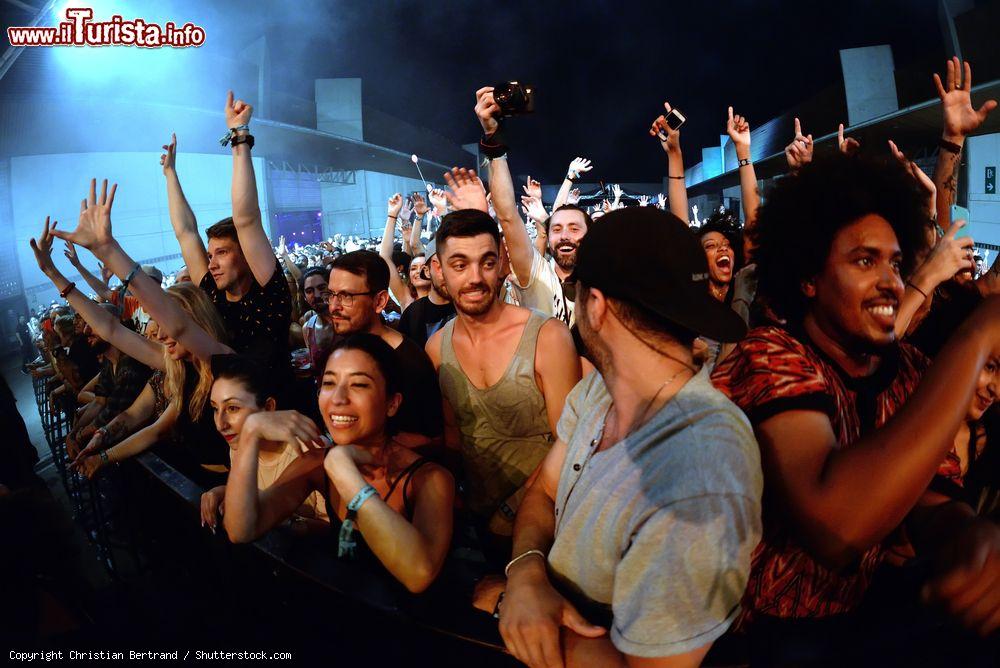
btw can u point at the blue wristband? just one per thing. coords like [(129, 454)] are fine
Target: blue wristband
[(346, 544)]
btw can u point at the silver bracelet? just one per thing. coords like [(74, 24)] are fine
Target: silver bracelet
[(506, 570)]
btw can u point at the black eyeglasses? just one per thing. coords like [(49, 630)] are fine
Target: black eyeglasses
[(346, 298)]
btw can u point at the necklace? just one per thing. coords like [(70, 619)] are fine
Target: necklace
[(595, 444)]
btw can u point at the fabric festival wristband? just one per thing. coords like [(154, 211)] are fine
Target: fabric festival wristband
[(345, 540), (226, 138), (949, 146), (743, 162), (136, 269), (65, 291), (506, 570)]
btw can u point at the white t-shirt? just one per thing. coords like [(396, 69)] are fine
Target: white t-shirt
[(543, 291)]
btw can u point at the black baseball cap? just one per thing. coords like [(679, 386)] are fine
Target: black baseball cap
[(649, 258)]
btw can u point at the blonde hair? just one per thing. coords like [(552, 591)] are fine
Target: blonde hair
[(201, 309)]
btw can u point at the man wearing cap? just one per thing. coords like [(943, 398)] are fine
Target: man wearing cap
[(633, 544)]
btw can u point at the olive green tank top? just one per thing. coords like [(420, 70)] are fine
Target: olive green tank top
[(505, 428)]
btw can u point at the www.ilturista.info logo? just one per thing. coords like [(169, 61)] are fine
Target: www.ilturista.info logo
[(79, 30)]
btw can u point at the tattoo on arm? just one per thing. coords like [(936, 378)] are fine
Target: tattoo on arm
[(114, 431), (951, 183)]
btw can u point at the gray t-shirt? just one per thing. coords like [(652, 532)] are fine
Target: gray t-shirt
[(658, 529)]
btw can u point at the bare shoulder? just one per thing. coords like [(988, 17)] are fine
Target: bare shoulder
[(433, 348), (554, 332)]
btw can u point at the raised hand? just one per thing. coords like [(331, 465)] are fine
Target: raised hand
[(394, 205), (661, 201), (577, 167), (573, 197), (438, 201), (738, 129), (93, 231), (643, 200), (406, 211), (282, 247), (800, 151), (848, 146), (960, 118), (532, 188), (70, 252), (486, 110), (534, 209), (106, 273), (670, 140), (924, 181), (949, 256), (467, 191), (238, 112), (43, 247), (169, 159), (419, 205)]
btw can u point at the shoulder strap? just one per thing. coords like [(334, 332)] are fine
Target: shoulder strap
[(405, 476)]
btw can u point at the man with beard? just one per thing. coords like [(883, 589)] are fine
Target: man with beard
[(645, 512), (317, 331), (429, 313), (504, 370), (852, 425), (358, 293), (538, 284)]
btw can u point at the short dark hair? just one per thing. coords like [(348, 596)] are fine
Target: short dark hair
[(367, 264), (641, 320), (313, 271), (804, 212), (570, 207), (224, 229), (466, 223), (401, 258), (247, 372)]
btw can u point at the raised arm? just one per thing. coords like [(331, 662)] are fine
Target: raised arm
[(800, 151), (670, 141), (421, 209), (960, 120), (104, 324), (93, 232), (182, 217), (246, 207), (396, 284), (576, 168), (99, 287), (292, 268), (738, 130)]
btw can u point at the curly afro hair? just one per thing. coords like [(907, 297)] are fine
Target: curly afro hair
[(804, 212)]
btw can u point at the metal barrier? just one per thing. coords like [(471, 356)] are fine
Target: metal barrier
[(120, 509)]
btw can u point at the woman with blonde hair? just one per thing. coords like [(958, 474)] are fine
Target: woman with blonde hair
[(189, 332)]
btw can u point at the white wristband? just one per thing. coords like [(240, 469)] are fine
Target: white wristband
[(506, 570)]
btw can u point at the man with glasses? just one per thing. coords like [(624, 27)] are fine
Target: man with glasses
[(359, 291)]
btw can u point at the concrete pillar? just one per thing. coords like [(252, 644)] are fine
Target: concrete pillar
[(869, 83), (338, 107)]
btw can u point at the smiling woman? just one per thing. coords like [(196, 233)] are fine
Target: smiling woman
[(393, 504)]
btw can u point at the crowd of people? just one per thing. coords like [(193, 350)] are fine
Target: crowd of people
[(768, 436)]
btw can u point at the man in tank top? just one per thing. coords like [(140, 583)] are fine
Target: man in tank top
[(504, 371)]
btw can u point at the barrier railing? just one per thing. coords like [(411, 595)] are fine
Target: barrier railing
[(106, 508)]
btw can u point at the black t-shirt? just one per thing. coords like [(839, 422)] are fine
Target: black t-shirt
[(197, 442), (421, 411), (85, 358), (423, 317), (258, 323), (952, 305)]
